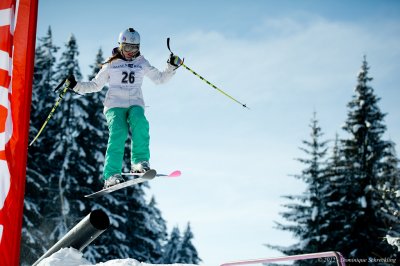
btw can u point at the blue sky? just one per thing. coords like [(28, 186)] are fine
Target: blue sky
[(284, 59)]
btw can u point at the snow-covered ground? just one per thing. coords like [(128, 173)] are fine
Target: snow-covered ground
[(72, 257)]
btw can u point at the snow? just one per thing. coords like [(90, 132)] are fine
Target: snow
[(394, 241), (72, 257), (356, 128), (314, 213), (363, 202)]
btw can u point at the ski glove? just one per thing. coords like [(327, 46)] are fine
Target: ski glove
[(175, 61), (71, 82)]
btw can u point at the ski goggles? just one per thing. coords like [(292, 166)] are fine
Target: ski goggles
[(128, 47)]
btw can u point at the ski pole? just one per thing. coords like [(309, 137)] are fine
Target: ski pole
[(206, 81), (64, 90)]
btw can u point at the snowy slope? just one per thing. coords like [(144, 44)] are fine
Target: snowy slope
[(72, 257)]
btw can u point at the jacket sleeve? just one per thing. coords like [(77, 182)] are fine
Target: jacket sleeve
[(96, 84), (157, 76)]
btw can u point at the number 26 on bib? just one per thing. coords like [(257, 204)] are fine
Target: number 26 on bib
[(128, 77)]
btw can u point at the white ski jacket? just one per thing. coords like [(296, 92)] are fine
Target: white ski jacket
[(125, 80)]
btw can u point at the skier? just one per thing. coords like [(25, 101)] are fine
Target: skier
[(124, 104)]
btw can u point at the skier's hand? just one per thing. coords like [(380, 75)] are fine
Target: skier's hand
[(175, 61), (70, 82)]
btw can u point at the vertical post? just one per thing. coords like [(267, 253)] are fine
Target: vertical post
[(17, 51)]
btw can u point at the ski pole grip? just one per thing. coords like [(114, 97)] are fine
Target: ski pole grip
[(169, 48), (59, 85)]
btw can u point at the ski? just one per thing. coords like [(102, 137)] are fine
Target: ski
[(176, 173), (143, 178)]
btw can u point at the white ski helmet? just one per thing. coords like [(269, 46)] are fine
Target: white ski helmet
[(129, 36)]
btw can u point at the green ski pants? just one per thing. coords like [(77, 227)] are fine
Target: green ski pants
[(119, 121)]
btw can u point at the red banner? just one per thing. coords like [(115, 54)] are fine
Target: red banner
[(17, 51)]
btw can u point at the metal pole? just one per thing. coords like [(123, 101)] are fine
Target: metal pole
[(87, 230), (206, 81), (339, 258), (215, 87)]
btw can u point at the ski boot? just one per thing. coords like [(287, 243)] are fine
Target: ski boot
[(141, 167), (113, 180)]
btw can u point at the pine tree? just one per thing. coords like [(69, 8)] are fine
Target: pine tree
[(307, 211), (364, 151), (34, 238), (69, 183), (187, 252), (171, 253), (94, 132), (359, 188), (158, 231), (391, 196), (332, 196), (97, 64)]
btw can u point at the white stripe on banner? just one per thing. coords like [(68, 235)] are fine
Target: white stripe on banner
[(5, 61), (1, 232), (3, 102), (4, 96), (2, 141), (4, 182), (5, 136), (5, 17)]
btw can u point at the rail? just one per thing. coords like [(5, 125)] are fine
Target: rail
[(339, 258)]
